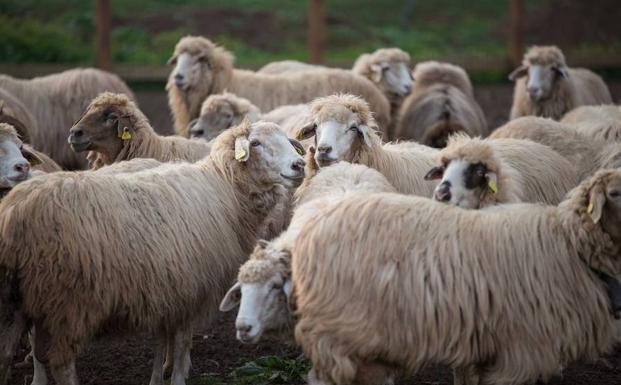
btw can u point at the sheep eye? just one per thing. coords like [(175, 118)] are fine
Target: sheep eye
[(614, 194), (255, 143), (276, 286), (353, 127)]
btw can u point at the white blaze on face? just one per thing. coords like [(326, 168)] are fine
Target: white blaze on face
[(334, 141), (539, 81), (454, 181), (398, 79), (14, 168), (184, 71)]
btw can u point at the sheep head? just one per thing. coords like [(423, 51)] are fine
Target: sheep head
[(429, 73), (604, 202), (341, 124), (110, 121), (543, 67), (220, 112), (470, 175), (262, 292), (264, 152), (197, 64), (389, 69), (15, 158)]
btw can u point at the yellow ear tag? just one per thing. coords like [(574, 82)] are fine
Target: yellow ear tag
[(299, 135), (34, 162), (240, 154), (492, 186), (126, 135), (299, 151), (590, 208)]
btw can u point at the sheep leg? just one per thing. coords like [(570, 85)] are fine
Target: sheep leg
[(466, 375), (40, 376), (313, 378), (157, 374), (183, 342), (65, 374), (170, 348)]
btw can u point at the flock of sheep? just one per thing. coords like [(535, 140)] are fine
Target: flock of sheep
[(368, 213)]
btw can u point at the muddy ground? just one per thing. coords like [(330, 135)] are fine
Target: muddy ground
[(127, 361)]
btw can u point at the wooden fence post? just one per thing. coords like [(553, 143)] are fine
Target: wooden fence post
[(102, 43), (516, 42), (316, 30)]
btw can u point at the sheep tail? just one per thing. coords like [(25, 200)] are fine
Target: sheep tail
[(437, 135)]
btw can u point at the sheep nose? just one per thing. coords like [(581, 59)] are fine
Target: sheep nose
[(178, 77), (298, 165), (244, 329), (198, 133), (532, 90), (408, 88), (22, 167), (76, 132), (324, 149), (443, 192)]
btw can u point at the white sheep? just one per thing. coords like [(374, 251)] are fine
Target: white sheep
[(56, 102), (145, 251), (202, 68), (264, 281), (441, 103), (344, 129), (585, 154), (114, 129), (463, 288), (545, 86), (477, 173), (597, 122)]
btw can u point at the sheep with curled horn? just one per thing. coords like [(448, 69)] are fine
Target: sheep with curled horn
[(476, 173), (344, 129), (112, 247), (545, 86), (461, 288), (201, 68), (263, 287), (56, 101), (114, 129)]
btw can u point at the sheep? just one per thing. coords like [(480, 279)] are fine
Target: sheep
[(57, 101), (264, 281), (441, 103), (586, 155), (202, 68), (545, 86), (114, 129), (344, 129), (461, 288), (126, 270), (13, 112), (598, 122), (477, 173)]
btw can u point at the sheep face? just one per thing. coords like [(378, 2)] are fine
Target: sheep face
[(463, 184), (262, 298), (393, 78), (189, 69), (215, 117), (604, 202), (102, 129), (540, 79), (337, 133), (271, 157), (15, 160)]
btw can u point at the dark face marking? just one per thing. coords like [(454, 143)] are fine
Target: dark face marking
[(474, 176)]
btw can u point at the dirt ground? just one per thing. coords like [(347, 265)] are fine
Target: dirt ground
[(127, 361)]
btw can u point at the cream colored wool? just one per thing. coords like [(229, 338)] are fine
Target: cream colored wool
[(596, 122), (57, 101), (14, 112), (461, 288)]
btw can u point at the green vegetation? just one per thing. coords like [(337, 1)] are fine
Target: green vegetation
[(269, 370), (258, 31)]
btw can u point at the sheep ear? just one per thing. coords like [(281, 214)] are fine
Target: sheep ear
[(232, 298), (298, 147), (561, 71), (518, 73), (287, 288), (307, 131), (242, 149), (31, 156), (492, 181), (376, 72), (597, 200), (172, 61), (253, 115), (435, 173), (363, 129)]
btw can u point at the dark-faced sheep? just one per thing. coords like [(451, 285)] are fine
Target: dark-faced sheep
[(57, 101), (545, 86), (202, 68), (461, 288), (441, 103), (114, 129), (151, 251)]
